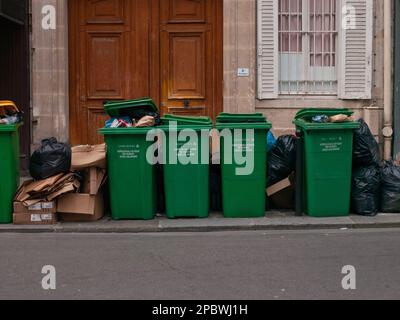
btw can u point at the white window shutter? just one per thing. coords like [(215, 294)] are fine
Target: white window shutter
[(355, 52), (268, 58)]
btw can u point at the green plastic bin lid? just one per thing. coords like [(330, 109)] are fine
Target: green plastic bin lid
[(303, 119), (243, 121), (308, 114), (186, 120), (125, 131), (241, 118), (10, 127), (129, 107)]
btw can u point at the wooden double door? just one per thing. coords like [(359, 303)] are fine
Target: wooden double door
[(170, 50)]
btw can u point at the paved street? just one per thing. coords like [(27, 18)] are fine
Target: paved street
[(225, 265)]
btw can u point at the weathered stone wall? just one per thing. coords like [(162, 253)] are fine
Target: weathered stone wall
[(49, 73)]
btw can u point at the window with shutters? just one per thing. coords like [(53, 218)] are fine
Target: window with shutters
[(315, 47), (308, 47)]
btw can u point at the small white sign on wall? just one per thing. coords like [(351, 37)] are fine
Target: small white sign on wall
[(243, 72)]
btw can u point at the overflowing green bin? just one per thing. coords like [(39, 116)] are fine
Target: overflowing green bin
[(327, 159), (132, 178), (9, 167), (187, 184), (243, 194)]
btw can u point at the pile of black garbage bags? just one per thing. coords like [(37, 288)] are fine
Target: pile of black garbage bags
[(366, 180), (375, 184)]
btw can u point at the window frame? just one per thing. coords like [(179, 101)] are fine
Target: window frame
[(306, 34), (355, 52)]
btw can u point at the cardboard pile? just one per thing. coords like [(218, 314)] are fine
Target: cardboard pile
[(33, 192), (41, 213), (76, 196), (88, 205), (35, 201)]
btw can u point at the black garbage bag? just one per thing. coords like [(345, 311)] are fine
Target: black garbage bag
[(391, 188), (139, 114), (282, 159), (366, 190), (366, 148), (50, 159)]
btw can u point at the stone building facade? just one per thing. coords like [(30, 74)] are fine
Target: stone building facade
[(241, 69)]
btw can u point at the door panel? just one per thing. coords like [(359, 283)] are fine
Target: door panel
[(105, 50), (108, 60), (188, 50), (112, 11), (170, 50), (187, 11), (186, 60)]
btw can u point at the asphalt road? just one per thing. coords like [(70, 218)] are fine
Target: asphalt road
[(230, 265)]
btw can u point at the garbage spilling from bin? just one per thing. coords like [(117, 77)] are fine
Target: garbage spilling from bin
[(339, 118), (126, 122), (327, 162), (138, 113), (9, 113), (132, 179), (121, 122)]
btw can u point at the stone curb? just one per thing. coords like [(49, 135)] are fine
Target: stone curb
[(273, 222)]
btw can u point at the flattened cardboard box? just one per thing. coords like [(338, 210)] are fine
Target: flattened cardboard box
[(33, 192), (282, 194), (38, 208), (84, 157), (93, 180), (35, 218), (79, 207)]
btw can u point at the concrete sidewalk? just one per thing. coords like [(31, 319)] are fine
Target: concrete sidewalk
[(273, 221)]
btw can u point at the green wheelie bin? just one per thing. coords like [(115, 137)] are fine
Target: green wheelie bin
[(9, 167), (328, 149), (186, 168), (132, 178), (243, 193)]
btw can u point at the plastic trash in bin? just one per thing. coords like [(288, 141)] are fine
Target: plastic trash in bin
[(132, 179)]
